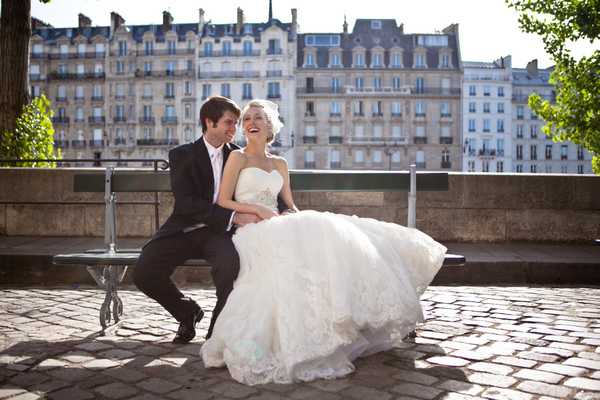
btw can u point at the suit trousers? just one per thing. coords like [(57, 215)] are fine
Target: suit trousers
[(160, 257)]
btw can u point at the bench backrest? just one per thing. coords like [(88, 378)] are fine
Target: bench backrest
[(301, 180)]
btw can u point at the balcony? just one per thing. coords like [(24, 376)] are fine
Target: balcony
[(164, 73), (146, 120), (158, 142), (335, 115), (61, 144), (120, 141), (396, 115), (96, 120), (79, 120), (168, 120), (377, 115), (274, 52), (446, 117), (446, 165), (54, 75), (309, 139), (35, 77), (97, 98), (335, 164), (420, 115), (231, 53), (120, 97), (119, 119), (228, 74), (445, 140), (38, 56), (164, 52), (96, 143), (79, 98), (336, 140), (421, 164), (420, 140), (147, 97), (60, 120), (78, 144), (319, 90), (61, 99), (310, 164), (274, 96), (273, 74), (487, 153)]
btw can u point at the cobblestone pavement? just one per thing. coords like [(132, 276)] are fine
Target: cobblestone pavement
[(477, 342)]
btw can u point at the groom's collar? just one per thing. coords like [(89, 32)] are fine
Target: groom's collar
[(211, 149)]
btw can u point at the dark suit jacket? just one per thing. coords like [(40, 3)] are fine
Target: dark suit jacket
[(192, 183)]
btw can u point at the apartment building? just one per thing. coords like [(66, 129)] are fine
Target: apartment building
[(533, 152), (378, 98), (134, 91), (487, 116)]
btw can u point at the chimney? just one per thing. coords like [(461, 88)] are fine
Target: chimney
[(345, 26), (240, 21), (532, 68), (201, 20), (167, 21), (84, 21), (38, 24), (452, 28), (294, 22), (115, 22), (401, 29)]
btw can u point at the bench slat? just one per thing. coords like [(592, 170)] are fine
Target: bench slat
[(301, 180)]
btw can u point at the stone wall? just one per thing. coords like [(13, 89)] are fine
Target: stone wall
[(476, 208)]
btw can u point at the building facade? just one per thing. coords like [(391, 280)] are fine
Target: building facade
[(533, 152), (127, 91), (377, 98), (487, 116)]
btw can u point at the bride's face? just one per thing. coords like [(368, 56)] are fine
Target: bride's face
[(255, 124)]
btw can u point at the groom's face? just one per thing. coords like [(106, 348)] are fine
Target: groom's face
[(223, 130)]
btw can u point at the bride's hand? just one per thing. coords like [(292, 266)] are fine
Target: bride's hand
[(265, 213)]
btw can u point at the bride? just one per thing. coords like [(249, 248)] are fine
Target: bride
[(315, 290)]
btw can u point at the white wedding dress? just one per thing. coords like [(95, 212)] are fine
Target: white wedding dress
[(316, 290)]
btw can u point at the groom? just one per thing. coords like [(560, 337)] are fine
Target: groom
[(198, 227)]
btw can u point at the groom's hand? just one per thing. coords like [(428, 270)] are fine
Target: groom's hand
[(241, 219)]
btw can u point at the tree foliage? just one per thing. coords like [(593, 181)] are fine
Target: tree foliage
[(33, 138), (575, 115)]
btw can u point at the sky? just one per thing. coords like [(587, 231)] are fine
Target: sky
[(488, 29)]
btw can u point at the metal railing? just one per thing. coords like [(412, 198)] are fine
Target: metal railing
[(157, 163)]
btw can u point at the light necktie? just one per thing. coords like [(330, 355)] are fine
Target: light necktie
[(216, 165)]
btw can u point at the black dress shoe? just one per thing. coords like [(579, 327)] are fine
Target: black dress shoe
[(187, 327)]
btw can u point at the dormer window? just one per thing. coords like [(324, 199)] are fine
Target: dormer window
[(208, 48), (248, 29), (375, 24), (377, 60), (359, 60), (420, 60), (335, 60), (396, 60), (309, 59), (445, 60)]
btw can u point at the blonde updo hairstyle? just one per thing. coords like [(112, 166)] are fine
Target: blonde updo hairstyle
[(272, 113)]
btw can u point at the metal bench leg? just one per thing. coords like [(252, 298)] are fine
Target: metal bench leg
[(113, 274)]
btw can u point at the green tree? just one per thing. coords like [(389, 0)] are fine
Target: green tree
[(33, 136), (575, 115)]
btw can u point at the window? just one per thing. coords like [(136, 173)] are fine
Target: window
[(533, 168), (396, 109), (273, 90), (310, 109), (358, 108), (444, 109), (486, 90), (310, 59), (79, 114), (533, 152), (334, 60), (309, 159), (122, 48), (445, 60), (500, 126), (500, 147), (485, 166), (377, 156), (169, 90), (500, 166), (377, 83), (396, 82), (548, 153), (580, 169), (147, 67), (533, 129), (97, 92), (334, 158), (359, 60), (377, 131), (359, 83), (322, 40), (564, 169), (471, 166), (120, 112), (171, 47), (397, 60), (335, 85), (226, 48), (225, 89), (472, 107), (396, 131), (247, 47), (520, 129), (169, 111), (246, 91), (519, 168), (500, 108), (396, 157), (519, 152), (309, 130), (206, 90), (170, 68), (187, 134), (375, 24), (500, 91), (188, 88), (187, 113), (486, 107), (486, 125), (420, 131), (99, 48), (580, 153), (79, 92), (120, 91), (420, 158), (420, 85), (377, 60), (419, 109), (359, 131), (420, 60), (336, 108), (359, 156), (120, 67), (148, 48), (472, 125), (520, 112), (208, 49), (472, 91), (147, 111), (80, 69)]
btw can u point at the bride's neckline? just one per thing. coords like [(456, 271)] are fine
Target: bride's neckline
[(263, 170)]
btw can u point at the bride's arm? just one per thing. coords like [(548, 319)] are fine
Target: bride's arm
[(231, 172), (286, 190)]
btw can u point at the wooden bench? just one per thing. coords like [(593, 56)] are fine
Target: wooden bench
[(108, 266)]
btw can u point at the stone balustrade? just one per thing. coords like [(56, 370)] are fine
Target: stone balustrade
[(476, 208)]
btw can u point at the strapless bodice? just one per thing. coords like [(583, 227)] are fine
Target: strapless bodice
[(257, 186)]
